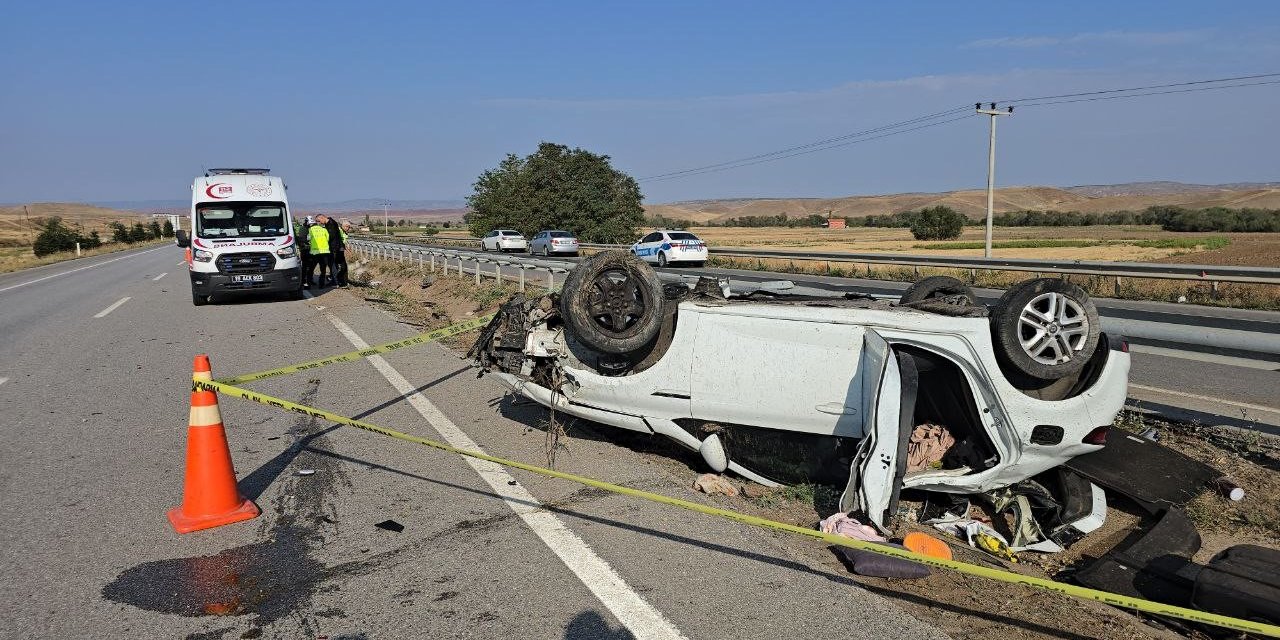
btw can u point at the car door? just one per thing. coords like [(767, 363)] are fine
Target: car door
[(486, 241), (889, 385), (647, 248)]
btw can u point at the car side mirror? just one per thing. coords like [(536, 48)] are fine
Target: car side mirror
[(182, 238)]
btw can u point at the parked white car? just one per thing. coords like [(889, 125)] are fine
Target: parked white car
[(504, 240), (787, 389), (667, 247)]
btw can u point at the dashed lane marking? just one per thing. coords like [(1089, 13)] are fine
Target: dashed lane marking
[(642, 619), (3, 380), (111, 308), (160, 276), (132, 255)]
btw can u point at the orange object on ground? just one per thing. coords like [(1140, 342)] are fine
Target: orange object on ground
[(927, 545), (210, 496)]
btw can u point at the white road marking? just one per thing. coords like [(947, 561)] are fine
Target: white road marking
[(3, 380), (182, 264), (1233, 361), (111, 308), (632, 610), (160, 276), (133, 255), (1183, 394)]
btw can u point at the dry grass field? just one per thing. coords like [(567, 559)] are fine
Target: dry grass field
[(18, 227)]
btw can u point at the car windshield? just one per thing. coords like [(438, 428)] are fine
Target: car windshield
[(561, 234), (509, 233), (241, 220), (682, 235)]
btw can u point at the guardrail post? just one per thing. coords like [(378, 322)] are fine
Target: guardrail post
[(973, 276), (419, 261), (916, 270), (868, 270), (1117, 291), (433, 263), (551, 280), (1213, 290), (522, 279), (497, 273), (477, 273)]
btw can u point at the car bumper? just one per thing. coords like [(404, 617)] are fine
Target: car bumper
[(279, 280), (687, 256), (562, 249)]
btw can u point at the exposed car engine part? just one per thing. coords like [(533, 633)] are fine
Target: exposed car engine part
[(612, 302), (1045, 328)]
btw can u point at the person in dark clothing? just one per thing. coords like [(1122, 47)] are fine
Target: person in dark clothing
[(303, 240), (338, 247)]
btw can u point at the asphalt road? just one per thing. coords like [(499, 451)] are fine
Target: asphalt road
[(94, 381), (1224, 387)]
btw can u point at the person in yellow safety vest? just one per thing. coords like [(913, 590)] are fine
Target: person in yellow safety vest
[(318, 235)]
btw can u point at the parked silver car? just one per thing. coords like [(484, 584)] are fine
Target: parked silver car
[(551, 241)]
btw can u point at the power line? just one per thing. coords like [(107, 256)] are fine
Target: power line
[(1152, 93), (805, 152), (1015, 101), (898, 127), (810, 145)]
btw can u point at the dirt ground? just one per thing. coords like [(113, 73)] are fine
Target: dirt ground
[(962, 606)]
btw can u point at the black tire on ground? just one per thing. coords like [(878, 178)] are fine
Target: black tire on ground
[(612, 302), (937, 287), (1045, 329), (662, 259), (198, 300)]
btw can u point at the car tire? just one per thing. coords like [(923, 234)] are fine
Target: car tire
[(937, 287), (1045, 329), (662, 259), (612, 302), (198, 300)]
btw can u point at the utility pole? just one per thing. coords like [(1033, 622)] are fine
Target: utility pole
[(991, 166), (386, 224)]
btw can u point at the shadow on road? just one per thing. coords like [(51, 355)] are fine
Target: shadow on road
[(590, 625)]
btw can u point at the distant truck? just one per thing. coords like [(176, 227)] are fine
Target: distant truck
[(241, 238)]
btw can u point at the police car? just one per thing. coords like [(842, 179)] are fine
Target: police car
[(665, 247)]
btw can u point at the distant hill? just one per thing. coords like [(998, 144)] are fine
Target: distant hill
[(973, 202), (340, 206), (17, 227)]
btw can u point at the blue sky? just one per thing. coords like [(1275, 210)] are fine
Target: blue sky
[(127, 101)]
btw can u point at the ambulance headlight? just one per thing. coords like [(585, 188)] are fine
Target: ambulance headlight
[(200, 255), (287, 252)]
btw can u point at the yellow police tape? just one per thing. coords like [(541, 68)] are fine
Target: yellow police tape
[(421, 338), (970, 569)]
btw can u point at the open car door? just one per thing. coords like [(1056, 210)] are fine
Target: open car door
[(889, 386)]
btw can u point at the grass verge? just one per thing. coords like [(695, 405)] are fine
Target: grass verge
[(19, 258), (1206, 244)]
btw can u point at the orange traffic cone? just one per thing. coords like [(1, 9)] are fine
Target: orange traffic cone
[(210, 497)]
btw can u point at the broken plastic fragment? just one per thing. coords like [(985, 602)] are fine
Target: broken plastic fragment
[(305, 472), (390, 525)]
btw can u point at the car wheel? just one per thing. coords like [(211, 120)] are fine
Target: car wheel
[(546, 252), (662, 259), (1045, 328), (198, 300), (937, 287), (612, 302)]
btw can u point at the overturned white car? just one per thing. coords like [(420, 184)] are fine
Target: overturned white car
[(786, 389)]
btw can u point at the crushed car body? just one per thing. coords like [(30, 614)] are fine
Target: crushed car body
[(788, 389)]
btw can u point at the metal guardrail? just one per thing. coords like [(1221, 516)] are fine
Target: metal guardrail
[(1163, 332), (1160, 271)]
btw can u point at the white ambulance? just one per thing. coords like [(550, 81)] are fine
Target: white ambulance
[(241, 238)]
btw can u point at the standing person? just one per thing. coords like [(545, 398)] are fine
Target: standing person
[(338, 246), (302, 237), (318, 235)]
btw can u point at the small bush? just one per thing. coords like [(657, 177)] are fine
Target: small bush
[(937, 223)]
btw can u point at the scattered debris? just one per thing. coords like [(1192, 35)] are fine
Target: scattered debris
[(711, 484), (428, 281), (305, 472), (390, 525), (755, 491)]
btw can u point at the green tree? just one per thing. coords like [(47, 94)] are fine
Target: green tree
[(154, 228), (139, 233), (119, 233), (167, 229), (557, 188), (92, 241), (937, 223), (54, 237)]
